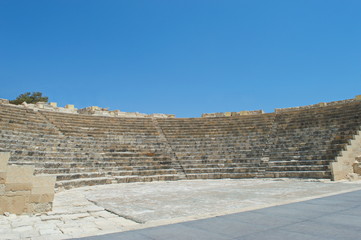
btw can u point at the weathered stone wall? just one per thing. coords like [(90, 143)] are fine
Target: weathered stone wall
[(229, 114), (280, 110), (4, 101), (322, 104), (93, 110), (347, 162), (21, 191), (97, 111)]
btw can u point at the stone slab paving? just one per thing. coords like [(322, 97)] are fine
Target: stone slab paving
[(99, 210), (328, 218), (158, 202), (72, 216)]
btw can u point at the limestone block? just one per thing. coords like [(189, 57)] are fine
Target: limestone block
[(43, 185), (2, 177), (21, 192), (4, 101), (227, 114), (19, 174), (70, 106), (17, 193), (39, 207), (43, 189), (2, 189), (41, 198), (53, 104), (4, 158), (13, 204), (353, 177), (40, 104), (357, 167), (94, 108), (358, 97), (24, 186)]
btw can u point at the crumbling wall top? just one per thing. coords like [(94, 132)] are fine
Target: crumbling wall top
[(229, 114), (92, 110), (317, 105)]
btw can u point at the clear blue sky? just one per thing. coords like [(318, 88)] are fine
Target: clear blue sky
[(181, 57)]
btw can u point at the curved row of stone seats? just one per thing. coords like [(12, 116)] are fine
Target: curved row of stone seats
[(299, 143), (107, 130), (30, 138), (87, 150), (222, 147), (303, 138), (131, 147), (17, 119), (85, 158)]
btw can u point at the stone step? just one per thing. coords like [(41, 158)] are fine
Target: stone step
[(222, 164), (93, 166), (299, 174), (220, 161), (298, 162), (145, 172), (222, 170), (68, 184), (72, 176), (298, 168), (222, 175), (128, 179)]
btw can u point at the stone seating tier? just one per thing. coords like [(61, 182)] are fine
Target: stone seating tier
[(86, 150)]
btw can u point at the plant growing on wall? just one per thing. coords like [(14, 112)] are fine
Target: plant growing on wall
[(29, 97)]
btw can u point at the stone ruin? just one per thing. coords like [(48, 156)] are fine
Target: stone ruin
[(21, 191), (94, 146), (280, 110), (232, 114), (93, 110)]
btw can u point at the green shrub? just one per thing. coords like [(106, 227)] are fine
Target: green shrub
[(29, 97)]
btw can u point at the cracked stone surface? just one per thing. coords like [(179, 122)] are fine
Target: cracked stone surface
[(72, 216), (105, 209), (166, 201)]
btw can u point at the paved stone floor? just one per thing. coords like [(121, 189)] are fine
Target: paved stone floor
[(98, 210), (328, 218)]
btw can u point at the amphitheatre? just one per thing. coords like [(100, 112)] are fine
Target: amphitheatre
[(289, 155)]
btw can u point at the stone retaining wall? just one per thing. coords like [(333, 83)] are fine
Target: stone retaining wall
[(21, 191)]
